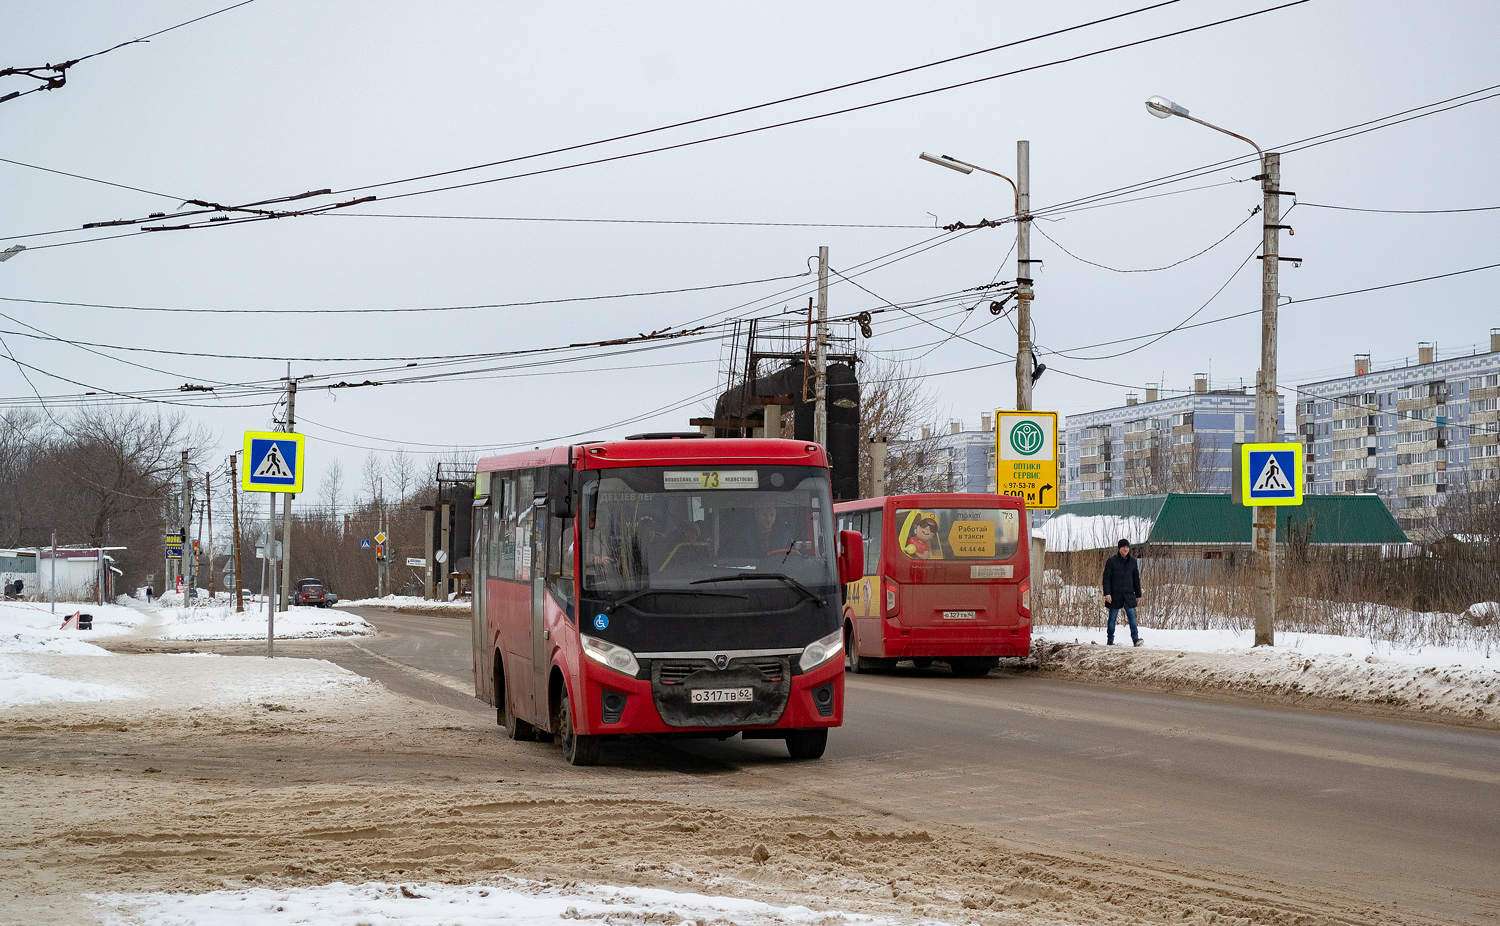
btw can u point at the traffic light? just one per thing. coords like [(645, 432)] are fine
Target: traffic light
[(379, 552)]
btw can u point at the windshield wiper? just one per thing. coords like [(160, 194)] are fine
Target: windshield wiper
[(610, 609), (745, 577)]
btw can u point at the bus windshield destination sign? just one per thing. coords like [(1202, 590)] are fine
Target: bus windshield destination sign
[(1026, 457)]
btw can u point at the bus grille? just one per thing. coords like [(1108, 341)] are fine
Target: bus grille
[(675, 673), (768, 677)]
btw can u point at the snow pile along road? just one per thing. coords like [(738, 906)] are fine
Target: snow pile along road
[(30, 627), (1432, 681), (512, 903), (220, 622), (412, 604)]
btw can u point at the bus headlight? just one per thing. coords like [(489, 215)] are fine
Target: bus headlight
[(610, 656), (820, 651)]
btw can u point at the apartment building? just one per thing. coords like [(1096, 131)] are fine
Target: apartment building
[(958, 461), (1413, 434), (1178, 444)]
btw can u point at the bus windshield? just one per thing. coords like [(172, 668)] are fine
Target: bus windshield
[(968, 534), (703, 536)]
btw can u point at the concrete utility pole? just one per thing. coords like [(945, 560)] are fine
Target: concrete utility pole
[(1263, 607), (52, 595), (239, 577), (187, 524), (286, 499), (208, 501), (1263, 603), (820, 393), (1023, 279)]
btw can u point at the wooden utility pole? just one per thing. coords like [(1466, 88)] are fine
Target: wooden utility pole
[(239, 577)]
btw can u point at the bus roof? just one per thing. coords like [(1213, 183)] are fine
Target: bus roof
[(934, 500), (670, 452)]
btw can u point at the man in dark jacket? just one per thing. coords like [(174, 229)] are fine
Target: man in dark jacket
[(1122, 589)]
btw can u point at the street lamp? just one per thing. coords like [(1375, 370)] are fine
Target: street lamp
[(1263, 603), (1022, 192)]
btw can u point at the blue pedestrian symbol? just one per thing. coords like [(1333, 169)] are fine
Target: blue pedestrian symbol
[(1273, 474), (601, 622), (364, 544)]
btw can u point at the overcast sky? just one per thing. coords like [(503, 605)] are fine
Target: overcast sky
[(278, 98)]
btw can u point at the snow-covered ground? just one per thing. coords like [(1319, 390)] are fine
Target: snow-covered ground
[(1433, 680), (409, 601), (203, 621), (46, 659), (504, 903)]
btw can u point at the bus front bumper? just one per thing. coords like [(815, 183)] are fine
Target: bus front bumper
[(617, 704)]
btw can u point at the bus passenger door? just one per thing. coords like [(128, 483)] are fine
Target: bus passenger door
[(484, 677), (541, 645)]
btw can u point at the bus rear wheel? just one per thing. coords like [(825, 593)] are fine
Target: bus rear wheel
[(807, 744), (577, 749), (862, 665), (515, 728)]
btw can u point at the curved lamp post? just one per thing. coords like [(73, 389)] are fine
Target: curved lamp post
[(1263, 606)]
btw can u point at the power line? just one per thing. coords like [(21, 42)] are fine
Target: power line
[(224, 221), (443, 308), (1041, 231), (54, 76), (1397, 211), (50, 170), (516, 218)]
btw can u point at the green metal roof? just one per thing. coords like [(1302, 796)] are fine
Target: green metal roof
[(1210, 519)]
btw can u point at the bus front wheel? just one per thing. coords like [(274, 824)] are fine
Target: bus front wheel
[(807, 744), (577, 749)]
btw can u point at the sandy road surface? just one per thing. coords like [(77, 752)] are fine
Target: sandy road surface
[(395, 787)]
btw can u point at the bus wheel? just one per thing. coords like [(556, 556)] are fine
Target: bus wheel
[(515, 728), (970, 666), (861, 665), (576, 748), (807, 744)]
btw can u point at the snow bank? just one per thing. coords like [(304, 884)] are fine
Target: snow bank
[(409, 602), (513, 903), (1433, 680), (220, 622), (1066, 533), (167, 688), (27, 627), (32, 688)]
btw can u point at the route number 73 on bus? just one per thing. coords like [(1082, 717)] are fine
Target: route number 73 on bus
[(680, 586)]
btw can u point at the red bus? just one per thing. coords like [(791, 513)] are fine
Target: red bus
[(661, 585), (947, 578)]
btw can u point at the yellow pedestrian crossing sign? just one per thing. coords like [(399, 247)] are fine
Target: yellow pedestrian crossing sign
[(1271, 474), (273, 462)]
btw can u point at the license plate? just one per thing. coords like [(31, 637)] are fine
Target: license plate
[(721, 695), (959, 616)]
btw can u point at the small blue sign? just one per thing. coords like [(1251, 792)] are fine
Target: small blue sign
[(601, 621), (1273, 474), (364, 544)]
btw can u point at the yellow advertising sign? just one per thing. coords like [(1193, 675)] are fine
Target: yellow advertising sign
[(1026, 451), (972, 538)]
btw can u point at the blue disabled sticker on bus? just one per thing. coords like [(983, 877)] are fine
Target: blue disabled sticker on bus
[(601, 621)]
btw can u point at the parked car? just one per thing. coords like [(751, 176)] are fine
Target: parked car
[(310, 593)]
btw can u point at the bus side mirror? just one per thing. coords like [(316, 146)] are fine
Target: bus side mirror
[(851, 557), (560, 492)]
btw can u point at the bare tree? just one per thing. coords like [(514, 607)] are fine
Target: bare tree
[(893, 405)]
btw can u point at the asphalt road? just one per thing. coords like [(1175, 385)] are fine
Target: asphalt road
[(1405, 814)]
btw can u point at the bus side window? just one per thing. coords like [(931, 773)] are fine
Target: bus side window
[(871, 530), (494, 540), (505, 536)]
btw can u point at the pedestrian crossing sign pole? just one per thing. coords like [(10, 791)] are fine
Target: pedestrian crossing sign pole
[(273, 462), (1270, 474)]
